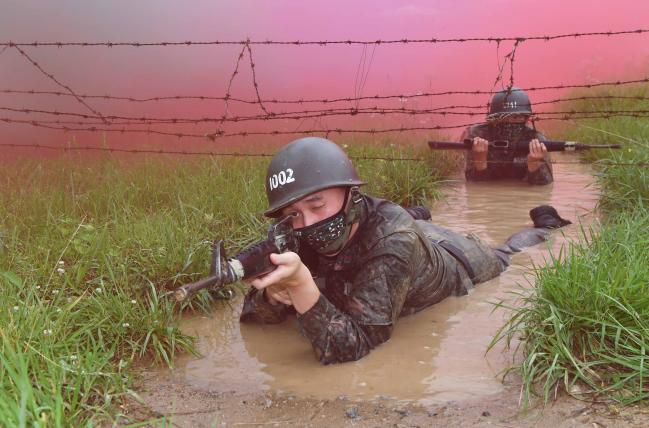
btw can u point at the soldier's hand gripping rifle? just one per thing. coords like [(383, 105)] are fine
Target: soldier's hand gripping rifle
[(521, 146), (250, 263)]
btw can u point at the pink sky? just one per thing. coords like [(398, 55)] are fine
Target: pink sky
[(296, 72)]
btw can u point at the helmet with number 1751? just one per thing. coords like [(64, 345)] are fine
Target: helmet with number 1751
[(510, 101)]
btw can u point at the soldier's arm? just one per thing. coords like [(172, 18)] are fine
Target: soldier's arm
[(257, 308), (471, 172), (542, 173), (374, 302)]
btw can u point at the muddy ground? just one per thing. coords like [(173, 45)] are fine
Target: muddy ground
[(183, 407)]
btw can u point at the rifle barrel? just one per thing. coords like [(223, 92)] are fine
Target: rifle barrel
[(186, 291), (445, 145), (521, 146)]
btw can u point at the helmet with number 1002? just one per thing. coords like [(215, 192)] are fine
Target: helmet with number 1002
[(510, 101), (306, 166)]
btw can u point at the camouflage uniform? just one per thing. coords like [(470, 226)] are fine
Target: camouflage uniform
[(393, 266), (500, 166)]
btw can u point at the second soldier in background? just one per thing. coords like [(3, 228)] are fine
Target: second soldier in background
[(509, 112)]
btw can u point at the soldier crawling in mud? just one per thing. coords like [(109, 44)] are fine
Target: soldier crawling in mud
[(509, 112), (363, 262)]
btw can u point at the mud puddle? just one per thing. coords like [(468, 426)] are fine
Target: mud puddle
[(435, 359)]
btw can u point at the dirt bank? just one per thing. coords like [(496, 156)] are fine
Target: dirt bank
[(186, 407)]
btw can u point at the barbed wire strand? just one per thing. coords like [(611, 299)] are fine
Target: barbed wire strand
[(254, 79), (509, 57), (55, 80), (325, 100), (322, 131), (270, 155), (546, 38), (512, 56), (441, 108), (228, 91), (299, 115)]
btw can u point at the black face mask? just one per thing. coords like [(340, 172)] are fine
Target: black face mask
[(511, 132), (330, 235)]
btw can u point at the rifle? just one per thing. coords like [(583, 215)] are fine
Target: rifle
[(250, 263), (521, 146)]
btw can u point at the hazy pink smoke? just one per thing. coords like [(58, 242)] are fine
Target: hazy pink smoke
[(302, 72)]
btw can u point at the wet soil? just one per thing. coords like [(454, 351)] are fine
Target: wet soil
[(173, 404), (434, 371)]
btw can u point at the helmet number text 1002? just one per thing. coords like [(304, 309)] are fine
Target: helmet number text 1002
[(281, 178)]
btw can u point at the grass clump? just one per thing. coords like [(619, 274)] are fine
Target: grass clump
[(90, 248), (586, 323)]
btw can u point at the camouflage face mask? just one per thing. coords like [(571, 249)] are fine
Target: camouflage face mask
[(330, 235), (510, 131)]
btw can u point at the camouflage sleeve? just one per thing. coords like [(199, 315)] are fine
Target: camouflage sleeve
[(257, 309), (374, 302), (543, 175), (470, 173)]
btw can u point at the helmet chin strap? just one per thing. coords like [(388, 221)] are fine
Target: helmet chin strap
[(353, 205)]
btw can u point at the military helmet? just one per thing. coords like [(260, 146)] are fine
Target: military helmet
[(306, 166), (509, 101)]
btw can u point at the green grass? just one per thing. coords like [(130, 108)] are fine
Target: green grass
[(405, 182), (90, 247), (587, 321), (624, 187), (585, 326)]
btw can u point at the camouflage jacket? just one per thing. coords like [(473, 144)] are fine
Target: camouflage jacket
[(388, 269), (502, 167)]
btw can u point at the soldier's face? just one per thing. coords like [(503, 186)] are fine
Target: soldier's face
[(316, 207)]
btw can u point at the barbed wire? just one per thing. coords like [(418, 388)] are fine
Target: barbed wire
[(403, 96), (518, 39), (508, 57), (229, 88), (254, 79), (270, 155), (299, 115), (222, 134), (55, 80), (326, 132), (108, 122)]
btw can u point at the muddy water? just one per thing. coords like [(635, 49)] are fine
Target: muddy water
[(435, 355)]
